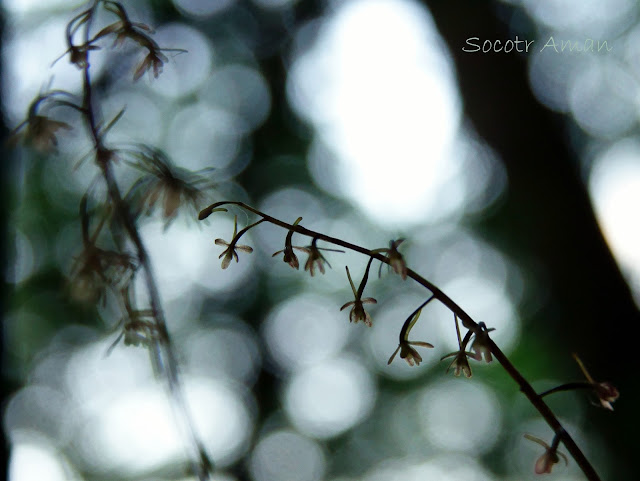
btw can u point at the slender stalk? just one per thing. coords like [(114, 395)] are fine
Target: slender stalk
[(536, 399), (163, 348), (570, 386)]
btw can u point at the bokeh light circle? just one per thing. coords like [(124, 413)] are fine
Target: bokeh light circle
[(203, 8), (304, 330), (325, 400), (287, 456), (461, 416)]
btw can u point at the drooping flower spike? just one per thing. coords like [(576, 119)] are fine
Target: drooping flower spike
[(357, 311), (407, 352), (230, 252), (460, 362), (551, 455)]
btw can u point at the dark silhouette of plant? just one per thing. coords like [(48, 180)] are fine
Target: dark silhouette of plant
[(98, 270), (113, 252), (482, 346)]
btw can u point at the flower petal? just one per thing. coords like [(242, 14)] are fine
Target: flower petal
[(421, 343), (350, 303), (226, 261), (393, 355)]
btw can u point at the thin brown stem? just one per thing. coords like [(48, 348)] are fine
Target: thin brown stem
[(570, 386), (163, 349), (536, 400)]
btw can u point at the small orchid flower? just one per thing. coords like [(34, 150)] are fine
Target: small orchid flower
[(396, 261), (551, 456), (230, 252), (357, 311), (315, 259), (408, 353), (605, 391), (481, 345), (460, 362), (290, 256)]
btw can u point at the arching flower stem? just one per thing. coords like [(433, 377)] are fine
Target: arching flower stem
[(467, 321)]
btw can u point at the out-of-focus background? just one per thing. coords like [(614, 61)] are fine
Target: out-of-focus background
[(514, 177)]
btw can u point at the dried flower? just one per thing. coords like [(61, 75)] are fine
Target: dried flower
[(138, 326), (460, 362), (481, 344), (138, 331), (230, 251), (172, 186), (551, 456), (79, 55), (96, 270), (41, 132), (125, 28), (154, 61), (605, 391), (408, 353), (41, 129), (357, 311)]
